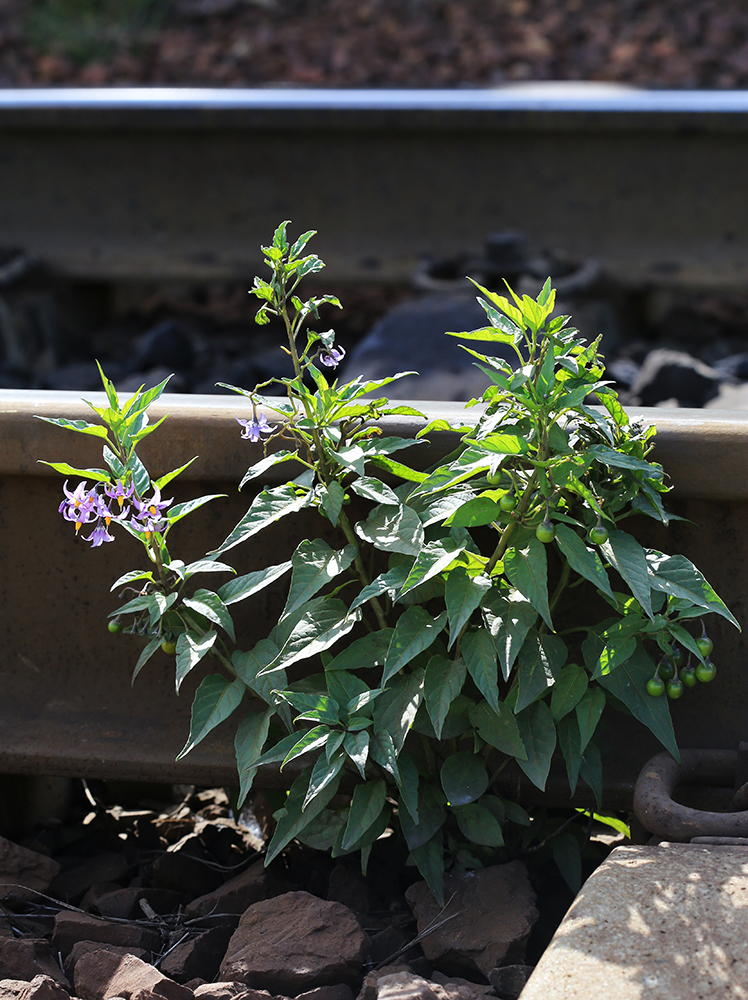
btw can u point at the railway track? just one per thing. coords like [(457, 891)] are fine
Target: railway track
[(186, 183)]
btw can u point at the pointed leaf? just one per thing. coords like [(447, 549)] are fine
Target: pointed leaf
[(392, 529), (396, 708), (292, 818), (443, 682), (431, 817), (677, 576), (432, 559), (499, 729), (569, 741), (248, 743), (366, 805), (215, 700), (540, 660), (582, 560), (368, 651), (627, 556), (145, 656), (324, 773), (312, 628), (210, 605), (356, 746), (527, 570), (98, 475), (81, 426), (509, 622), (331, 499), (479, 653), (374, 489), (463, 594), (261, 467), (429, 859), (478, 825), (414, 632), (393, 579), (568, 691), (191, 648), (312, 739), (539, 737), (464, 778), (588, 713), (244, 586), (267, 507), (315, 564), (591, 771)]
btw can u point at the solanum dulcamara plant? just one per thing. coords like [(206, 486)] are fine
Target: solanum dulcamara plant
[(477, 614)]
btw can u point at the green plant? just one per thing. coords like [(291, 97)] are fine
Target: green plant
[(463, 624)]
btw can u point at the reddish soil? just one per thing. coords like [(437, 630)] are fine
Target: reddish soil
[(378, 43)]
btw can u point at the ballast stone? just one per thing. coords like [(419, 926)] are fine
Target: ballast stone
[(293, 943), (494, 912)]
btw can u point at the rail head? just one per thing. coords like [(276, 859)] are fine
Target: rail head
[(561, 105), (705, 452)]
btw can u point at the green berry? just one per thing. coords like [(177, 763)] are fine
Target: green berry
[(655, 687), (598, 535), (674, 688), (115, 627), (667, 670), (494, 478), (545, 532), (169, 646), (705, 645), (688, 677), (706, 672), (508, 502)]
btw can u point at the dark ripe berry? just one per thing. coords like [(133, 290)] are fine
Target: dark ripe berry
[(706, 672), (679, 657), (705, 645), (674, 688), (688, 677), (115, 627), (655, 687), (598, 535), (169, 646), (545, 532), (667, 670), (508, 502)]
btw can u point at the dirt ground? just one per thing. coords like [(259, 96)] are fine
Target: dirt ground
[(373, 43)]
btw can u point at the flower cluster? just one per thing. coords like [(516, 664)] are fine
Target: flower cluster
[(252, 429), (83, 506)]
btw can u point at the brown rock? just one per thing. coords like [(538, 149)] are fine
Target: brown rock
[(81, 948), (227, 991), (92, 895), (339, 992), (175, 869), (102, 975), (495, 912), (43, 988), (10, 988), (109, 866), (198, 956), (509, 980), (124, 903), (71, 927), (25, 958), (293, 943), (239, 893), (21, 867), (409, 986)]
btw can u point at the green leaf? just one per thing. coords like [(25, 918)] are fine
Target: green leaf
[(443, 682), (267, 507), (485, 333), (478, 825), (215, 700), (98, 475), (210, 605), (678, 577), (540, 660), (414, 632), (306, 742), (81, 426), (145, 656), (366, 805), (396, 708), (509, 622), (499, 729), (464, 778), (312, 628), (582, 560), (383, 752), (244, 586), (476, 512), (261, 467), (569, 741), (429, 859), (248, 743), (368, 651), (408, 782), (527, 570), (293, 817), (431, 817), (613, 655), (568, 856), (393, 580), (538, 734), (463, 594), (323, 774), (479, 652), (331, 499), (206, 566), (374, 489), (315, 564), (393, 529), (609, 399), (629, 684), (136, 574), (627, 556), (433, 558), (191, 648), (591, 771), (569, 689), (166, 479), (183, 509), (588, 713), (505, 444), (619, 460), (323, 832), (398, 469), (357, 746)]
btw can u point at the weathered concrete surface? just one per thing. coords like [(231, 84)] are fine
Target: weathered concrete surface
[(667, 922)]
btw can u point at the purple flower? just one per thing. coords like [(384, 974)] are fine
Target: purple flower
[(119, 492), (255, 427), (148, 517), (99, 535), (78, 505), (333, 357)]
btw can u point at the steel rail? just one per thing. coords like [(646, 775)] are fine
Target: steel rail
[(185, 183), (67, 707)]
